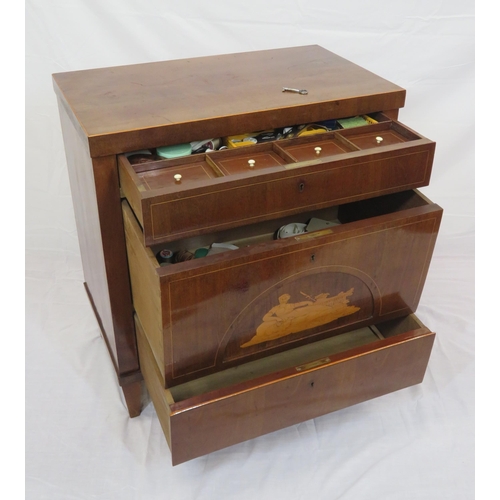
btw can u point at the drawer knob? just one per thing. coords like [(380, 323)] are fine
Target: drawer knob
[(251, 163), (317, 149), (177, 177), (379, 139)]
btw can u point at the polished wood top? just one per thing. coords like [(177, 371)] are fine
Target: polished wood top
[(146, 105)]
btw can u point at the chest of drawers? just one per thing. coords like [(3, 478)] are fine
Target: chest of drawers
[(277, 330)]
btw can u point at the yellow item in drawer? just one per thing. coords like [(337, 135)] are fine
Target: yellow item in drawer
[(312, 129), (237, 141)]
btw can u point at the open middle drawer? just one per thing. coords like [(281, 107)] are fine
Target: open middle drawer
[(230, 188), (207, 314)]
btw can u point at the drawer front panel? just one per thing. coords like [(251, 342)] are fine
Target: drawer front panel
[(308, 395), (190, 174), (304, 152), (369, 140), (210, 422), (236, 311), (301, 189), (224, 310), (240, 164)]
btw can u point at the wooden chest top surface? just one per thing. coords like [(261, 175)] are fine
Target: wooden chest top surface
[(223, 94)]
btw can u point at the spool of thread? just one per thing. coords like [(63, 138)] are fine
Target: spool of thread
[(183, 255), (143, 158), (165, 257)]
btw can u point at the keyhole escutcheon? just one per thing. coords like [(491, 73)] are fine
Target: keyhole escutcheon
[(301, 187)]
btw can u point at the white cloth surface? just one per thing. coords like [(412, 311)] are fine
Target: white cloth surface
[(417, 443)]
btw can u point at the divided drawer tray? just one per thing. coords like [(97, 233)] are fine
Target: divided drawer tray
[(222, 190)]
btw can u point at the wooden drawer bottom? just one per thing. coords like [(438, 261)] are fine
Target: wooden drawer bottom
[(265, 395)]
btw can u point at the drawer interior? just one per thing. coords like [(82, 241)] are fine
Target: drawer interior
[(308, 356), (279, 154), (382, 134), (220, 410), (301, 358), (300, 226), (196, 193), (205, 314)]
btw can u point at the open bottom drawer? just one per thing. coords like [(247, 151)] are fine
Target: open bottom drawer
[(250, 400)]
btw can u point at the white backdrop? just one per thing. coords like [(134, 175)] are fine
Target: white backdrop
[(414, 444)]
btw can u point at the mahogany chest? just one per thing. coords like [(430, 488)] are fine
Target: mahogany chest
[(253, 254)]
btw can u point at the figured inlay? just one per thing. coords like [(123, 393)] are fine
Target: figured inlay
[(293, 317)]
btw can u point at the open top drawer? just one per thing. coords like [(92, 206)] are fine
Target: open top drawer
[(259, 397), (206, 314), (192, 195)]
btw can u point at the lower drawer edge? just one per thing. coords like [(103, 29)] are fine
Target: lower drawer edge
[(208, 422)]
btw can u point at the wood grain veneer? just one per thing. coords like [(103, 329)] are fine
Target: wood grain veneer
[(95, 194), (277, 186), (223, 417), (128, 108), (106, 112), (200, 315)]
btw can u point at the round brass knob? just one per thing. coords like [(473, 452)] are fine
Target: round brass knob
[(251, 163), (177, 177), (317, 149), (379, 139)]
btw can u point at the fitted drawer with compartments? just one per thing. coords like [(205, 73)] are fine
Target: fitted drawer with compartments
[(206, 314), (222, 189)]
